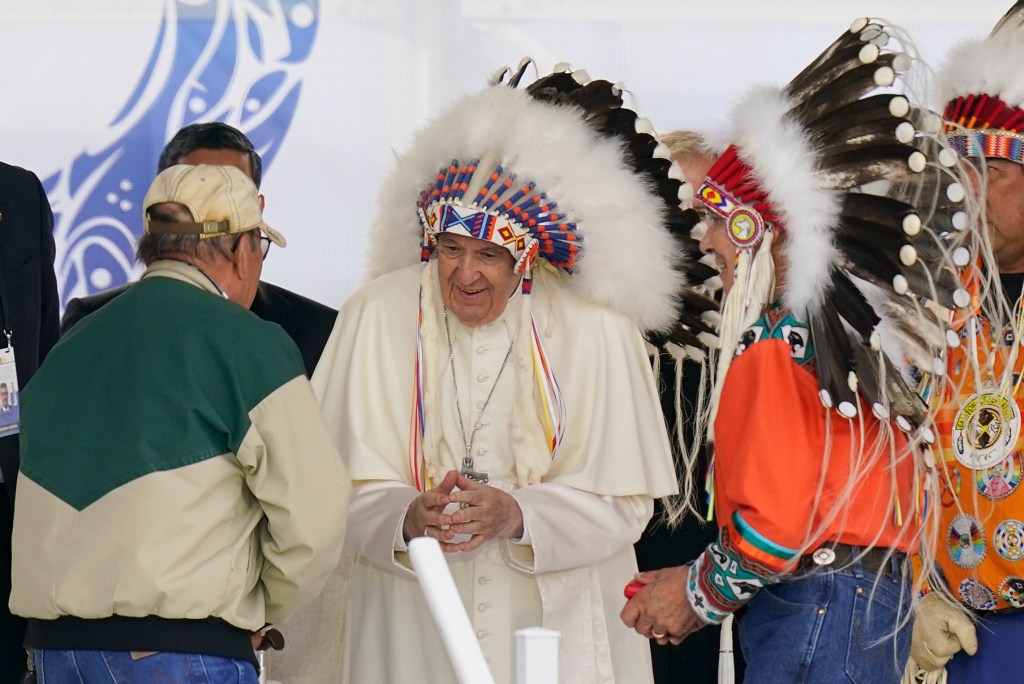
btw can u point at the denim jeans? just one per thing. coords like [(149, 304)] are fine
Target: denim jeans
[(1000, 636), (118, 667), (828, 626)]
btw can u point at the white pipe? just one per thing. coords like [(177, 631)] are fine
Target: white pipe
[(449, 614), (726, 662)]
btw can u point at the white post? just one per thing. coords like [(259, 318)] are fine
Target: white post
[(726, 662), (537, 656), (449, 614), (266, 665)]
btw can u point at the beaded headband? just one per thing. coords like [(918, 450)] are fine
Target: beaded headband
[(511, 215), (988, 144)]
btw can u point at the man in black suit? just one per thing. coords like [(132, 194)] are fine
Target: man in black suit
[(307, 322), (29, 311)]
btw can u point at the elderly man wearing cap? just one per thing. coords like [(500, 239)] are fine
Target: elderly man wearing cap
[(202, 497), (214, 142)]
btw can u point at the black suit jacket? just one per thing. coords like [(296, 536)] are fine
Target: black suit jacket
[(306, 321), (29, 286), (696, 659), (29, 294)]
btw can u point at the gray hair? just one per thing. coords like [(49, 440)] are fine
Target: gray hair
[(158, 246), (684, 144)]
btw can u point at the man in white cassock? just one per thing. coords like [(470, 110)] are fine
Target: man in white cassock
[(498, 396)]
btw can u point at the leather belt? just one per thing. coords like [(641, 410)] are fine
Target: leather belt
[(877, 560)]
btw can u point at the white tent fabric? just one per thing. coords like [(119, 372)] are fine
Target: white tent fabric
[(379, 68)]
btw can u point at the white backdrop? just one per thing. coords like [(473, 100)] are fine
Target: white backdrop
[(379, 68)]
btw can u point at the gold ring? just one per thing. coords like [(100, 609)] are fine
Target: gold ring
[(658, 635)]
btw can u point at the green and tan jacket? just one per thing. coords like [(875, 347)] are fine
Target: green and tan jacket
[(175, 469)]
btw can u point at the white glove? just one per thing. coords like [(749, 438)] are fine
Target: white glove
[(940, 630)]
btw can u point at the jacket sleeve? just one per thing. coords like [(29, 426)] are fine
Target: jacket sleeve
[(569, 528), (769, 446), (377, 514), (293, 469), (768, 450)]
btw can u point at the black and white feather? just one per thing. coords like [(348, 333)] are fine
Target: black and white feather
[(869, 202)]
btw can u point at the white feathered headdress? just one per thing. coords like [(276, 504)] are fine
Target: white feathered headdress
[(853, 178), (559, 171), (982, 88)]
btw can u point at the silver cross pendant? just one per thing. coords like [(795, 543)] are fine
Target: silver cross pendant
[(467, 470)]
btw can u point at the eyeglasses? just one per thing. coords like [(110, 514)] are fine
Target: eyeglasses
[(264, 244)]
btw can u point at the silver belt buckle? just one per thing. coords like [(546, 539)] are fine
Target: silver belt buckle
[(823, 556)]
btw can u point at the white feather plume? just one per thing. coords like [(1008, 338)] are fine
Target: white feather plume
[(717, 137), (783, 161), (993, 66), (629, 259)]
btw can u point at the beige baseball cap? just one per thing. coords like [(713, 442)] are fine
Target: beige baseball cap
[(222, 200)]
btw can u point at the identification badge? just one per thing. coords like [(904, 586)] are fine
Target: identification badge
[(9, 396)]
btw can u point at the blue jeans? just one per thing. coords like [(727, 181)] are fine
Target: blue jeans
[(1000, 636), (118, 667), (828, 626)]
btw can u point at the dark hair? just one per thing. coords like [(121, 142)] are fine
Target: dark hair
[(213, 135)]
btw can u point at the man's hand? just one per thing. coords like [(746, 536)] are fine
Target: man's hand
[(488, 513), (940, 630), (425, 516), (660, 610)]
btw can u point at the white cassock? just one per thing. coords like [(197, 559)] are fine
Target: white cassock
[(582, 519)]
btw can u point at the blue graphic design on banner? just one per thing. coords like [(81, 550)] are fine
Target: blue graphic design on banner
[(236, 61)]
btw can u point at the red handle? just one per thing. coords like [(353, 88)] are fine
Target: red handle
[(632, 589)]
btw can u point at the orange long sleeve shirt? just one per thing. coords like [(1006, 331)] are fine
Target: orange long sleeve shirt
[(782, 474)]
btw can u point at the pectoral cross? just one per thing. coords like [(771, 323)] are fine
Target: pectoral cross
[(467, 470)]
